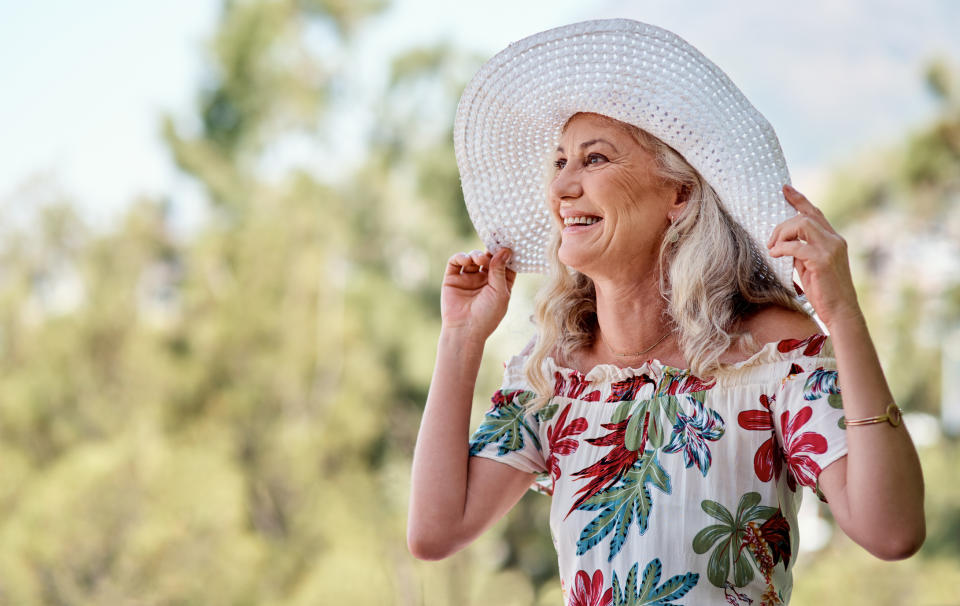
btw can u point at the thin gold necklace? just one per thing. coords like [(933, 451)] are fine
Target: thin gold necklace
[(639, 353)]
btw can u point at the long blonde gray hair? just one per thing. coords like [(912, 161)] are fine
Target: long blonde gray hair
[(711, 277)]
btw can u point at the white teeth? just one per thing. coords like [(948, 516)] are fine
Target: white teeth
[(581, 220)]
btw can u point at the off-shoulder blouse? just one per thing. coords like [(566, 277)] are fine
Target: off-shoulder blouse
[(670, 489)]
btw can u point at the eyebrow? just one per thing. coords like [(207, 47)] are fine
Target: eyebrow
[(587, 144)]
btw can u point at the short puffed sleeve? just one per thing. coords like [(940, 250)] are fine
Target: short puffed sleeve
[(510, 432), (808, 415)]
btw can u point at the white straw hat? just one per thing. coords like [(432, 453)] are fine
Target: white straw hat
[(510, 117)]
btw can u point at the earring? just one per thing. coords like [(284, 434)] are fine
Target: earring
[(674, 235)]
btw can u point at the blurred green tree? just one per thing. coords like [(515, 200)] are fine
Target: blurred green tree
[(228, 417), (899, 210)]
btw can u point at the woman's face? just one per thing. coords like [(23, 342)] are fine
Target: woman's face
[(612, 207)]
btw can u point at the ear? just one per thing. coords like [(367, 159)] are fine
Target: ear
[(683, 194)]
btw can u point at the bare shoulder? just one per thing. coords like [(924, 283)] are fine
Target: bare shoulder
[(774, 323)]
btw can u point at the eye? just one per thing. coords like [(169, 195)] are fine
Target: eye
[(594, 158), (559, 164)]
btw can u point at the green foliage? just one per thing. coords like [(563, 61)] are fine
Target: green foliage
[(844, 573), (229, 418), (889, 207), (892, 207)]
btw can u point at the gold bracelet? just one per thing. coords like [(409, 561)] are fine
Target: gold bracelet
[(894, 417)]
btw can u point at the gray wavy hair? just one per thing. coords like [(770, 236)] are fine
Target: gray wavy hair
[(712, 277)]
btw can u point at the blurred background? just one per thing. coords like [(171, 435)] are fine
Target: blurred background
[(222, 230)]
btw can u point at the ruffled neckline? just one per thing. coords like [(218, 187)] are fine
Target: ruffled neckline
[(815, 345)]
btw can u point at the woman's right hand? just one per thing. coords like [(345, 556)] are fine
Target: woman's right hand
[(476, 291)]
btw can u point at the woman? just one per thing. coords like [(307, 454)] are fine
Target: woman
[(677, 396)]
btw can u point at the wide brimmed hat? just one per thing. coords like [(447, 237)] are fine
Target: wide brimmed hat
[(511, 114)]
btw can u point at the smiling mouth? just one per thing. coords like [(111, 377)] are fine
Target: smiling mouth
[(581, 220)]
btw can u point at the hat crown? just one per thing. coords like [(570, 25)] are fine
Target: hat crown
[(512, 112)]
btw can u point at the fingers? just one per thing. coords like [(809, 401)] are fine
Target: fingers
[(800, 227), (467, 263), (475, 262), (805, 207), (809, 243), (500, 276), (807, 236), (809, 225), (794, 248), (801, 237)]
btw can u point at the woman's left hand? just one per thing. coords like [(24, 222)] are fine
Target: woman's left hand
[(820, 257)]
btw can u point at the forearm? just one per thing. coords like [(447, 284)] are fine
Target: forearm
[(883, 493), (440, 459)]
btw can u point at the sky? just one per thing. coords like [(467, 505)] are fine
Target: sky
[(84, 85)]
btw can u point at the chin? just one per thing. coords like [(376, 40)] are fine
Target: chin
[(573, 260)]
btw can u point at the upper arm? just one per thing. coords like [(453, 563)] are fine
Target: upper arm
[(505, 456), (493, 488), (833, 484)]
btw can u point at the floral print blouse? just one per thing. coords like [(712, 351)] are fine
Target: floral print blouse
[(668, 489)]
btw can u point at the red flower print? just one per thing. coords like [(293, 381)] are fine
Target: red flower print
[(621, 391), (813, 344), (608, 470), (503, 398), (589, 592), (575, 388), (681, 384), (561, 442), (800, 446), (768, 461), (559, 384)]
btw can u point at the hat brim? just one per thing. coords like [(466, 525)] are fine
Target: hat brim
[(511, 114)]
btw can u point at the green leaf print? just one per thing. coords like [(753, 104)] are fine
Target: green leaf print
[(633, 439), (623, 503), (646, 420), (505, 425), (718, 566), (648, 593), (748, 500), (546, 413), (622, 411), (707, 537), (655, 434), (835, 400), (734, 538), (717, 510), (742, 570)]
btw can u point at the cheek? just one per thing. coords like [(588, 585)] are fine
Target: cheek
[(626, 190), (553, 207), (626, 184), (633, 188)]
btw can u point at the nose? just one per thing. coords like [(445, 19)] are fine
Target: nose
[(566, 184)]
